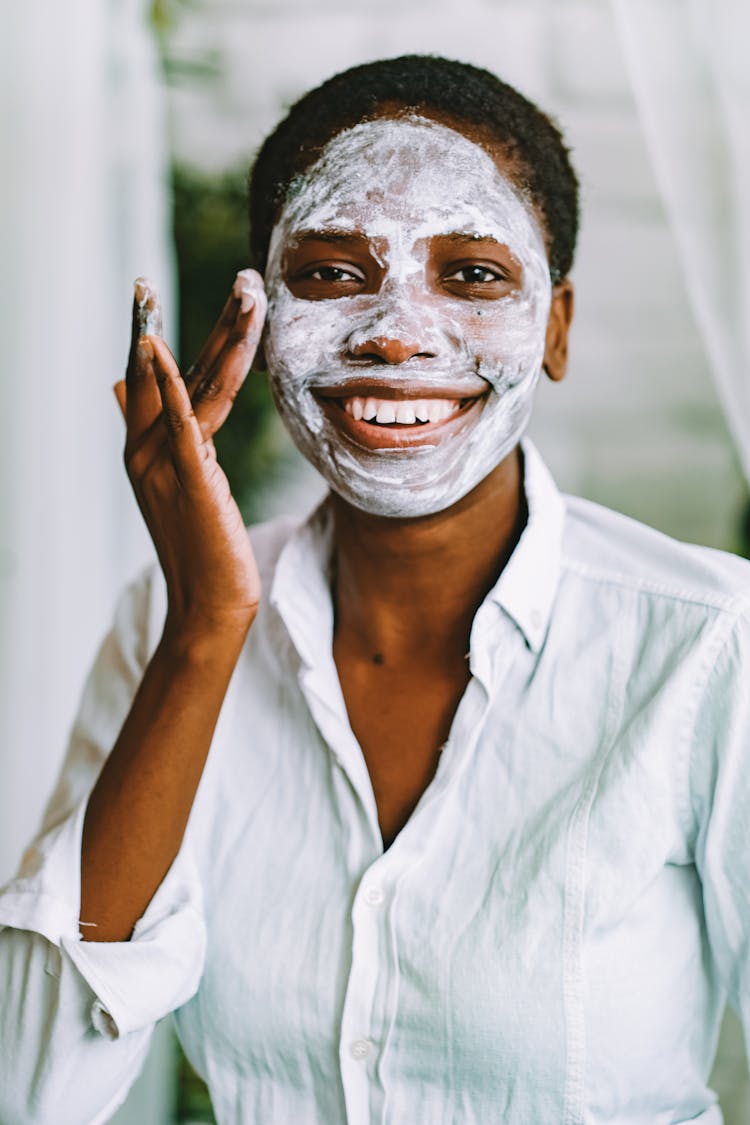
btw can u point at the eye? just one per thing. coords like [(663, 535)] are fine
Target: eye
[(477, 280), (326, 280), (476, 275), (332, 273)]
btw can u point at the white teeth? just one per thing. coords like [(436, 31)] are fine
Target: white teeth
[(406, 413), (386, 413), (437, 410)]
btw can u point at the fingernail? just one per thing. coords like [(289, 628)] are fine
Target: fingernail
[(148, 307), (243, 289), (145, 350)]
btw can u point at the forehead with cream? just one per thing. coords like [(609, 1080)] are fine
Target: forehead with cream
[(417, 173)]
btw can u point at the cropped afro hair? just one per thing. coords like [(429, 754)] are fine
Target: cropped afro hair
[(457, 94)]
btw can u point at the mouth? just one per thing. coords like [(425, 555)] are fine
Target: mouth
[(381, 417)]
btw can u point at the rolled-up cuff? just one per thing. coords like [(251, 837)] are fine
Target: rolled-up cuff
[(137, 982), (140, 981)]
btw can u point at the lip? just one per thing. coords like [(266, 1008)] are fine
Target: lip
[(405, 388), (395, 436)]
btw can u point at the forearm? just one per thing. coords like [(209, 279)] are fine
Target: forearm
[(138, 810)]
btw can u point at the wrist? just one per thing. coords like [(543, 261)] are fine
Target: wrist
[(212, 633)]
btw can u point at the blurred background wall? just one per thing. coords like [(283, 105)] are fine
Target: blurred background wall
[(130, 125)]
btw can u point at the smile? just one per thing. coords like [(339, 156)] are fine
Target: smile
[(380, 420), (401, 412)]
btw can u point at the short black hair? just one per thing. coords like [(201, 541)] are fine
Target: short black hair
[(456, 93)]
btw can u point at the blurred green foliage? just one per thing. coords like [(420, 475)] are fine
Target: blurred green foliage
[(164, 15), (193, 1101), (205, 66), (210, 229)]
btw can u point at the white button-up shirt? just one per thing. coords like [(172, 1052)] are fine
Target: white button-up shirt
[(549, 939)]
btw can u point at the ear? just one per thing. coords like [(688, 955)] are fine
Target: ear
[(560, 317)]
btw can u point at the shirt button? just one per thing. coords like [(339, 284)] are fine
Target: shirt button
[(374, 896), (360, 1049)]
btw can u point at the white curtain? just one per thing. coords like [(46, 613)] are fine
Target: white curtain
[(83, 210), (687, 61), (689, 69)]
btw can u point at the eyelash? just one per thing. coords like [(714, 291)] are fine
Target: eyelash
[(342, 274), (493, 275)]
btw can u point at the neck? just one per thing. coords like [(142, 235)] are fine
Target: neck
[(404, 587)]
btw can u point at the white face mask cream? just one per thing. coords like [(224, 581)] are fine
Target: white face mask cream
[(410, 383)]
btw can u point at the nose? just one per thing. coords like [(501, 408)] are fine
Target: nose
[(397, 327), (390, 349)]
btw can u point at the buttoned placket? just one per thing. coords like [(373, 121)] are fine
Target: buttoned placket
[(371, 1000), (371, 962)]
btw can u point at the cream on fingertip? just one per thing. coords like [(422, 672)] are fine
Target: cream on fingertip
[(148, 307), (247, 286)]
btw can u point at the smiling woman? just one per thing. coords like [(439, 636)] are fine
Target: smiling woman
[(470, 842)]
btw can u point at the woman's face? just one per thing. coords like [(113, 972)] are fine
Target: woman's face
[(409, 293)]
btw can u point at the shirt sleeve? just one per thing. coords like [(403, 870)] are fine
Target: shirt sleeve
[(76, 1016), (720, 807)]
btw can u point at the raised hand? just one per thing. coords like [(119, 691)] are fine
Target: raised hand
[(197, 529), (139, 807)]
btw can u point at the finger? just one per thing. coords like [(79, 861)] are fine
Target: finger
[(120, 395), (147, 311), (213, 345), (142, 445), (214, 395), (181, 427), (147, 316), (143, 403), (142, 399), (241, 300)]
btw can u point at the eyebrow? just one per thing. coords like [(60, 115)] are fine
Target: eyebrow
[(329, 234), (470, 236)]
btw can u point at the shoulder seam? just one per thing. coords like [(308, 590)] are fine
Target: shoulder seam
[(734, 603)]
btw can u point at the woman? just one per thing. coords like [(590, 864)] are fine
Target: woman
[(469, 845)]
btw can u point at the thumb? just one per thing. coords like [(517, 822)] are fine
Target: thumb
[(120, 395)]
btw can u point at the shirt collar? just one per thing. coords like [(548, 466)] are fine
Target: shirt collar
[(301, 586), (525, 590)]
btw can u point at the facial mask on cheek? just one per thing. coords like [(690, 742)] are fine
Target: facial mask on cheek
[(400, 183)]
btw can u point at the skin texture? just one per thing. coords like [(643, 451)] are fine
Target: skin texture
[(405, 589)]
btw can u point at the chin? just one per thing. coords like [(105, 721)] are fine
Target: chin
[(399, 489), (406, 481)]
